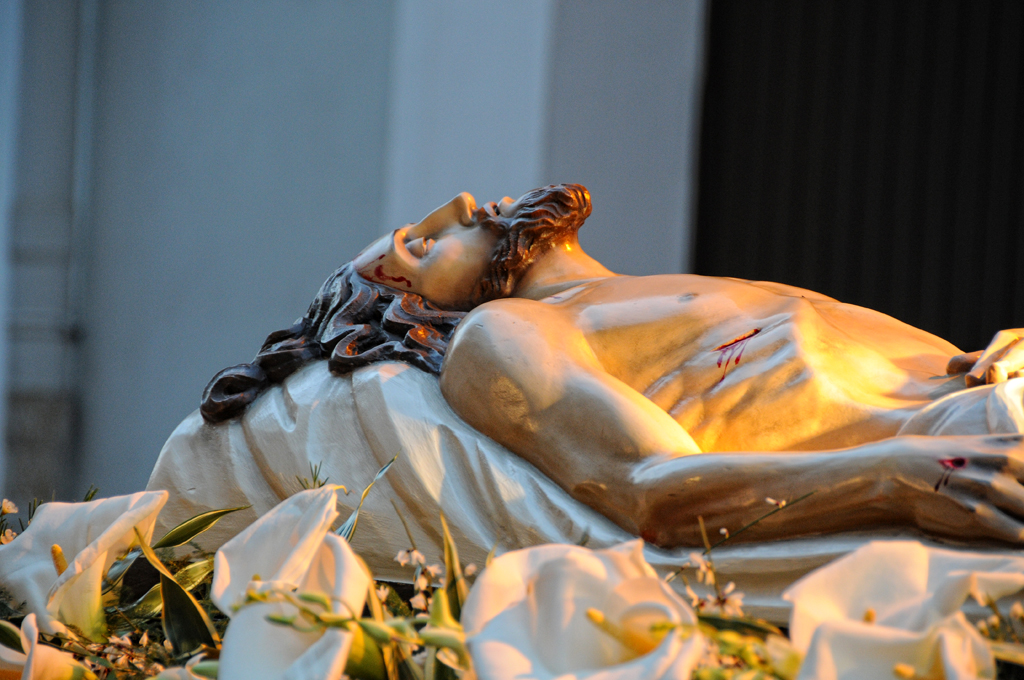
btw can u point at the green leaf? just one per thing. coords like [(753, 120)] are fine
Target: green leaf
[(185, 623), (10, 637), (118, 569), (1008, 651), (152, 603), (316, 598), (454, 583), (741, 625), (194, 574), (348, 529), (206, 669), (190, 528), (365, 660), (145, 607)]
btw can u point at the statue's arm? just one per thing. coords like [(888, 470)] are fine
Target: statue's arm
[(521, 373)]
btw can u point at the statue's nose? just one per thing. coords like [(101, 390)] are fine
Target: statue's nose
[(459, 210)]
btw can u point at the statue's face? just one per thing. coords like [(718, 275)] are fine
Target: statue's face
[(442, 258)]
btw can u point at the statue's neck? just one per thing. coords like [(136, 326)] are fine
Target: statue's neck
[(559, 269)]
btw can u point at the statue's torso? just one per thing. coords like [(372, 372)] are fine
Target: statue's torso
[(758, 366)]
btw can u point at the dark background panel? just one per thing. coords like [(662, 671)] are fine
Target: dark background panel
[(873, 151)]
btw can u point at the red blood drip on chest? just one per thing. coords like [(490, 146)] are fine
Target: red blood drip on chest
[(733, 348)]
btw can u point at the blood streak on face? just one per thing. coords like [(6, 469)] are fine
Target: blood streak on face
[(379, 274), (948, 466)]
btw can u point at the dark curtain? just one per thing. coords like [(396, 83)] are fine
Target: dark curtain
[(872, 151)]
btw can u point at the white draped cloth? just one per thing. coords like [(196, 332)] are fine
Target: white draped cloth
[(354, 424)]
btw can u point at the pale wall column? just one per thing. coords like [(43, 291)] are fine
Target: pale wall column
[(467, 102), (42, 339), (624, 120), (10, 76)]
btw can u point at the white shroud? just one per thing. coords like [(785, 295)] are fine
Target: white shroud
[(490, 497)]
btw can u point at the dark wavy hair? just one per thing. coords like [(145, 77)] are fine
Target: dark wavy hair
[(353, 322), (545, 218)]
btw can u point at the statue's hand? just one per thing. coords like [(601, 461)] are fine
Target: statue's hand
[(1001, 360), (968, 487)]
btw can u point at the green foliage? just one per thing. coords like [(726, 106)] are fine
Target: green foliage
[(190, 528), (186, 624), (314, 481), (10, 637), (455, 586), (348, 529)]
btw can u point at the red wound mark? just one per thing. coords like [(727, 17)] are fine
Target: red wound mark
[(379, 274), (733, 348), (948, 466)]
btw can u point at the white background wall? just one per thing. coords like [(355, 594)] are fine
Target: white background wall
[(241, 152)]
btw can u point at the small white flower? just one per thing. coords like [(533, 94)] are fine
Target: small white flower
[(1017, 610), (470, 570), (696, 601), (730, 603), (419, 601), (724, 532), (7, 537), (704, 572), (8, 508), (771, 501), (382, 594), (413, 557), (435, 570), (144, 640), (422, 581)]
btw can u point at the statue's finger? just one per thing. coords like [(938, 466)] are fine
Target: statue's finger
[(1014, 357), (996, 523), (962, 363), (1000, 344)]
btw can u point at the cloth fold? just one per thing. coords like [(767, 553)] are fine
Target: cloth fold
[(355, 424)]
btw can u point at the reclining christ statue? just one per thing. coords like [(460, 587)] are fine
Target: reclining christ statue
[(656, 399)]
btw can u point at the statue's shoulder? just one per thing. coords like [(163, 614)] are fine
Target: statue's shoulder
[(504, 310)]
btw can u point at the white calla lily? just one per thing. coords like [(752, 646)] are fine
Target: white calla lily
[(559, 611), (291, 548), (91, 537), (39, 662), (897, 602)]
